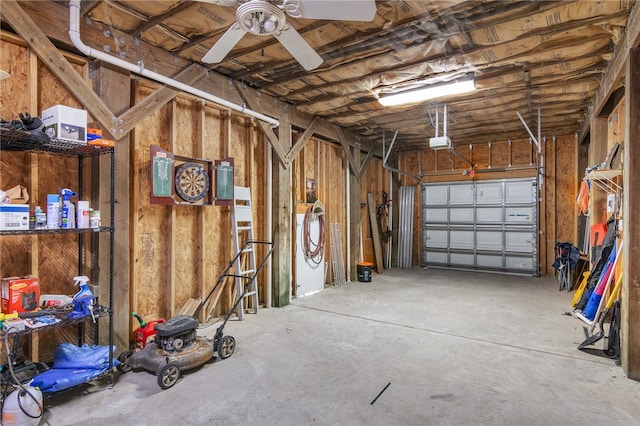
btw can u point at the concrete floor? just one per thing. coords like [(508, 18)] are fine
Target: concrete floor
[(456, 348)]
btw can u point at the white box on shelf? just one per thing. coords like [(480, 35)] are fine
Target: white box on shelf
[(14, 217), (63, 122)]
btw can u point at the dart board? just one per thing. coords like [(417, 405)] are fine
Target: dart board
[(192, 182)]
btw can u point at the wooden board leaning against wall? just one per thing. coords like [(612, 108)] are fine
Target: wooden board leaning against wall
[(179, 251), (324, 163), (375, 180), (31, 88), (509, 159)]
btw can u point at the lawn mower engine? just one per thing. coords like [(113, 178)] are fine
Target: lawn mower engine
[(177, 333)]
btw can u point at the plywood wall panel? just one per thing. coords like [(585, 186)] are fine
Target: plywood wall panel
[(501, 154), (480, 156), (521, 153), (151, 244), (566, 189), (185, 140), (14, 59), (239, 144)]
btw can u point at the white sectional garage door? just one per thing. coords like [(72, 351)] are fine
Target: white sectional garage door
[(488, 225)]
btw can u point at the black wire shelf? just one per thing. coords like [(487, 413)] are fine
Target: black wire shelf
[(55, 231), (36, 141)]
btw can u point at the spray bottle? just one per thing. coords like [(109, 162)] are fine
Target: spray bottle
[(83, 300), (82, 282), (68, 209)]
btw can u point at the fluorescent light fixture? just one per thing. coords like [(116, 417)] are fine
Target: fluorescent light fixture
[(430, 92)]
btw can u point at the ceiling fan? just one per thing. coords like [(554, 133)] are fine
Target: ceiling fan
[(268, 17)]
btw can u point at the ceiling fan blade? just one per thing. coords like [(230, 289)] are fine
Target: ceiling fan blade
[(345, 10), (299, 48), (224, 45), (220, 2)]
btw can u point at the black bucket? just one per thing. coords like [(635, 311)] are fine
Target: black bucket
[(364, 272)]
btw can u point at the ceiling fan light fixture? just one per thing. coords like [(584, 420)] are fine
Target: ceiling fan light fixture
[(260, 18), (427, 93)]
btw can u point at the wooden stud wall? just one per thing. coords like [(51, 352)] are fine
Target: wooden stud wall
[(179, 251)]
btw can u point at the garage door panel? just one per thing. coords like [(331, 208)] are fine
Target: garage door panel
[(436, 195), (489, 193), (461, 259), (519, 192), (489, 214), (461, 194), (461, 239), (436, 238), (489, 240), (434, 257), (519, 241), (436, 215), (515, 263), (461, 215), (489, 261), (520, 215)]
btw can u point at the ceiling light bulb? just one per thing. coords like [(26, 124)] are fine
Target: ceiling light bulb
[(269, 25), (429, 92)]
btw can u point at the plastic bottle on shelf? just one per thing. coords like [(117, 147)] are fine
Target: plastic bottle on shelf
[(41, 218), (83, 215), (53, 211), (68, 209)]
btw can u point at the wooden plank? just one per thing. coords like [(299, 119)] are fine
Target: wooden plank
[(58, 65), (190, 306), (173, 240), (114, 86), (201, 223), (630, 332), (300, 143), (213, 301), (377, 244), (150, 104), (281, 226), (355, 169)]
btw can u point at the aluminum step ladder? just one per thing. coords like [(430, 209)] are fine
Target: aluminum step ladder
[(245, 264)]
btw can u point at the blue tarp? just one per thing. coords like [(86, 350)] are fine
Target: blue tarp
[(73, 365)]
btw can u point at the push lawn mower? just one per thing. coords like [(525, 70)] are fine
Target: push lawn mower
[(177, 346)]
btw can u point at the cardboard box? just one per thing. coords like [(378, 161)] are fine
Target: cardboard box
[(18, 195), (14, 217), (20, 294), (63, 122)]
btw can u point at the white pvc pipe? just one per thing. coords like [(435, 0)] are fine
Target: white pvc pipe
[(74, 34)]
